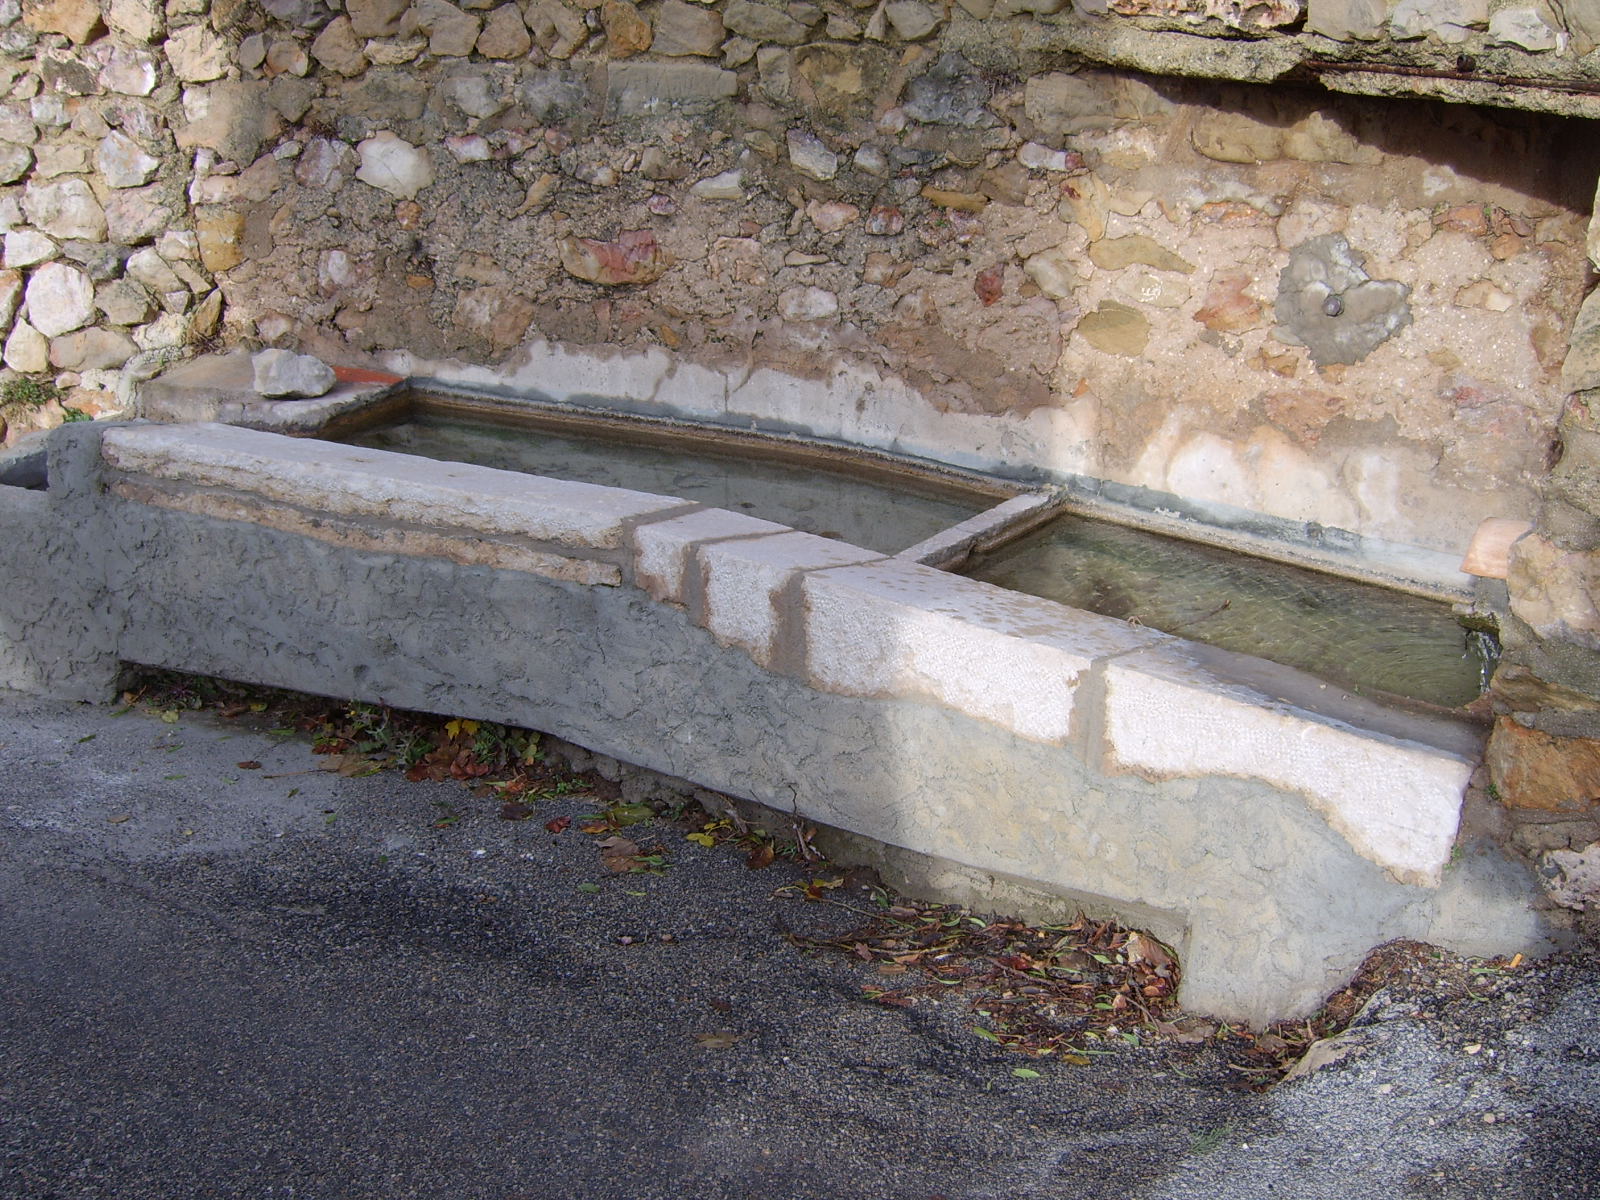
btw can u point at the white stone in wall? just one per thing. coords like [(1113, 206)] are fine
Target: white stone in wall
[(123, 302), (91, 350), (394, 165), (150, 269), (810, 157), (808, 304), (1523, 27), (65, 209), (50, 110), (137, 215), (1450, 21), (469, 147), (14, 162), (127, 69), (122, 162), (60, 299), (27, 350), (1053, 272), (16, 125), (197, 55), (1042, 158), (10, 296), (57, 159), (136, 20), (1347, 20), (167, 332), (28, 248), (727, 186), (324, 163)]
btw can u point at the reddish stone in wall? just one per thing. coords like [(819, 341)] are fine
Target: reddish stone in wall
[(1537, 770)]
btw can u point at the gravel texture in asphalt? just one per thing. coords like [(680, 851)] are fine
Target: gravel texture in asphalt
[(278, 982)]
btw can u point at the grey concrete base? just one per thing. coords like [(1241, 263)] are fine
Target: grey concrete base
[(1102, 781)]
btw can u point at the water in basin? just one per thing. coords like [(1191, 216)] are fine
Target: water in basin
[(1369, 639), (825, 498)]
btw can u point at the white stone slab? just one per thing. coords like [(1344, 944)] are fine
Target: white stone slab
[(1395, 799), (744, 579), (663, 550), (377, 483), (899, 628)]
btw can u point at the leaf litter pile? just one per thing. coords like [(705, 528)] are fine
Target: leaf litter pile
[(1056, 993)]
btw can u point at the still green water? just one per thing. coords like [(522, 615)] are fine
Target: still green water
[(809, 497), (1367, 638)]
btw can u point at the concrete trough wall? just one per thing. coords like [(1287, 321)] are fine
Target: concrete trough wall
[(1270, 828)]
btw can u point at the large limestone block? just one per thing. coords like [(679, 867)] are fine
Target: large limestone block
[(1390, 785), (664, 551), (91, 350), (60, 299), (27, 350), (747, 585), (895, 628), (384, 486), (197, 55), (77, 19), (65, 208)]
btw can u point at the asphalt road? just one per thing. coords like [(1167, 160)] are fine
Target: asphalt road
[(216, 983)]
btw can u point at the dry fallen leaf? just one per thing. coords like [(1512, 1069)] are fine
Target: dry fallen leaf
[(618, 854), (761, 856)]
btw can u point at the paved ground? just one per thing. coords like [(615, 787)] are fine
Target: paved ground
[(218, 984)]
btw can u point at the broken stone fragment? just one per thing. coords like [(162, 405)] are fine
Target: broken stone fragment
[(687, 29), (1571, 878), (504, 35), (633, 257), (763, 23), (810, 157), (628, 32), (727, 186), (285, 374), (339, 49)]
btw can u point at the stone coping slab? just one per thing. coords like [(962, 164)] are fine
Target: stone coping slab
[(1394, 795), (381, 484), (899, 628)]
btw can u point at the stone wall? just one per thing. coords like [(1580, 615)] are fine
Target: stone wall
[(1064, 242), (1119, 276)]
